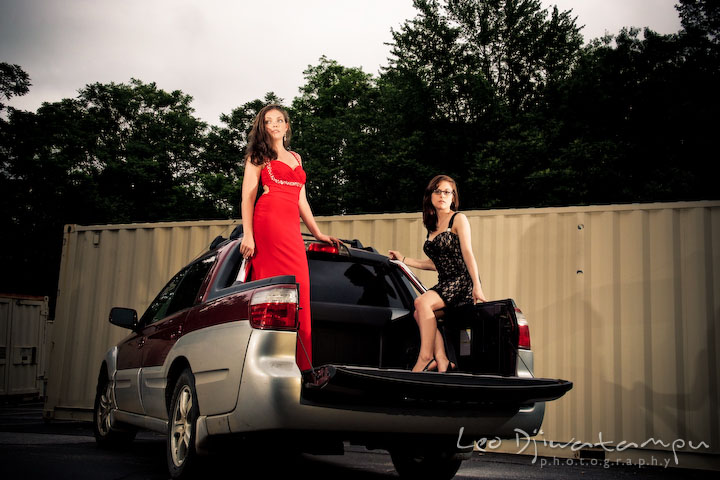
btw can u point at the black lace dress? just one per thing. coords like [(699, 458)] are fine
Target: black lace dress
[(454, 283)]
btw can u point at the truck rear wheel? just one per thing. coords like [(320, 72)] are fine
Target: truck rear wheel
[(181, 454)]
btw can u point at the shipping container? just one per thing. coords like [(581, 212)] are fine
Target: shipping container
[(23, 327), (622, 300)]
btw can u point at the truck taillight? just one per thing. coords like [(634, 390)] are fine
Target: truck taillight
[(523, 330), (274, 308), (324, 248)]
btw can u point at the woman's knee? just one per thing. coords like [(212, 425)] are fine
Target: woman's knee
[(429, 300)]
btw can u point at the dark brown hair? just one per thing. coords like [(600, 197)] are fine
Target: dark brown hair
[(259, 150), (430, 218)]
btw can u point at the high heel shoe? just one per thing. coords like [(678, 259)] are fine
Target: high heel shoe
[(427, 367), (450, 368)]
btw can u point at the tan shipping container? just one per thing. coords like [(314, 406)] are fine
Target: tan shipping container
[(623, 300), (23, 327)]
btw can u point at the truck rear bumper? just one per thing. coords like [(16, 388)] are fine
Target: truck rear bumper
[(272, 398)]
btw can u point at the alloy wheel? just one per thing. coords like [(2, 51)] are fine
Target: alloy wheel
[(181, 432), (103, 411)]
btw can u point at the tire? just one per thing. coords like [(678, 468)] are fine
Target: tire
[(181, 454), (425, 465), (105, 434)]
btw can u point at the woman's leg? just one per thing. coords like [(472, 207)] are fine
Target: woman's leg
[(440, 353), (443, 363), (425, 306)]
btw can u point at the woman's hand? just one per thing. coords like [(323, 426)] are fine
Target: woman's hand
[(395, 255), (328, 239), (247, 246), (477, 294)]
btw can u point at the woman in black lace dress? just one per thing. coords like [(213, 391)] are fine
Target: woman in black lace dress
[(450, 253)]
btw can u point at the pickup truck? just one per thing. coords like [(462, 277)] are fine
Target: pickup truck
[(212, 363)]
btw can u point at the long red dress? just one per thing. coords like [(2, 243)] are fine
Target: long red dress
[(279, 247)]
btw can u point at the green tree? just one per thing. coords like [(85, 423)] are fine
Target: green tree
[(431, 101), (14, 82), (16, 240), (700, 20), (116, 153), (333, 121), (520, 48), (638, 117), (467, 85), (144, 148)]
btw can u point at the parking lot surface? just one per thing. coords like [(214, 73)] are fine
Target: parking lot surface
[(34, 449)]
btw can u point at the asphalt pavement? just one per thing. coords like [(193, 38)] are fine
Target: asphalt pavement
[(31, 448)]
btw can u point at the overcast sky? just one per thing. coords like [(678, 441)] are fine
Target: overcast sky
[(225, 53)]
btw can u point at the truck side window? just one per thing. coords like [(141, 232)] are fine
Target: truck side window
[(190, 285), (179, 293)]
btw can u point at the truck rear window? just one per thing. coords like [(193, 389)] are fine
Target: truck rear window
[(348, 282)]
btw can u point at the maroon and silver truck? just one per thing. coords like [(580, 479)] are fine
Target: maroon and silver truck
[(212, 363)]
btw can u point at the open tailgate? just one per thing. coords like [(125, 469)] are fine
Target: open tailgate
[(343, 384)]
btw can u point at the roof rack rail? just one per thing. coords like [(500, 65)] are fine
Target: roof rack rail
[(237, 231), (354, 243), (217, 241)]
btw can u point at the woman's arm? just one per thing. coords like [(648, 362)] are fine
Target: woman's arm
[(425, 264), (251, 180), (309, 220), (307, 215), (462, 229)]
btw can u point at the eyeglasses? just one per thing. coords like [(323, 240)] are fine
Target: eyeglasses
[(447, 193)]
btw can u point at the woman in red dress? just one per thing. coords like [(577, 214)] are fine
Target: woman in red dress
[(271, 226)]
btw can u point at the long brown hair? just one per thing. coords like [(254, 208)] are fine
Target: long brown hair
[(259, 149), (430, 218)]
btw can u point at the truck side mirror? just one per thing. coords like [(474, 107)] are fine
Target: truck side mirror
[(124, 317)]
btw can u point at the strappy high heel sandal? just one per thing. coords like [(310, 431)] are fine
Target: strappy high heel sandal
[(427, 367), (450, 368)]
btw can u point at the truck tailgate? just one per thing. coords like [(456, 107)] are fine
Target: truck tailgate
[(343, 384)]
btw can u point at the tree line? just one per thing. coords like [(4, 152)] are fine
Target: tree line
[(503, 95)]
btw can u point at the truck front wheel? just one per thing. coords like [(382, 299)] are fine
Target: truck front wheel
[(105, 434)]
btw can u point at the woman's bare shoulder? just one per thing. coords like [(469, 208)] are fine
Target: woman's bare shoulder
[(459, 216), (297, 156), (461, 221), (251, 167)]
